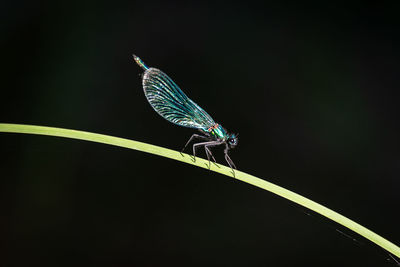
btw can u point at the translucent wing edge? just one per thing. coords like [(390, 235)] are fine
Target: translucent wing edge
[(171, 103)]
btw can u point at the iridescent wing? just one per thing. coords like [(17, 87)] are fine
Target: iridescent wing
[(171, 103)]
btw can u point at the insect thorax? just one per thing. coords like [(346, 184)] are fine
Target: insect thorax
[(217, 132)]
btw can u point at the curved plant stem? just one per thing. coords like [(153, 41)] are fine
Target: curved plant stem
[(175, 155)]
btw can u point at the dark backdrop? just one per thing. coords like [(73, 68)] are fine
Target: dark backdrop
[(312, 90)]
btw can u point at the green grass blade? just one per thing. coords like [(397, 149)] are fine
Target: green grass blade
[(175, 155)]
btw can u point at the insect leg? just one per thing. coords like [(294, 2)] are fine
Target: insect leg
[(191, 138), (204, 144), (208, 152), (229, 160), (231, 164)]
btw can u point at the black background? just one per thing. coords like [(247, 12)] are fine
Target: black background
[(312, 90)]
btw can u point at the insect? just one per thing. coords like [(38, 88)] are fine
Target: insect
[(168, 100)]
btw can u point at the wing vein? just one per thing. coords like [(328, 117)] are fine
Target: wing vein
[(168, 100)]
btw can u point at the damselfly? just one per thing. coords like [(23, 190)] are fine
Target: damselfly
[(168, 100)]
